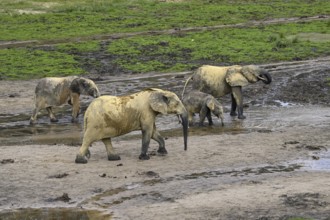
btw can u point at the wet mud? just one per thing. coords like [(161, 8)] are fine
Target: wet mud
[(272, 165)]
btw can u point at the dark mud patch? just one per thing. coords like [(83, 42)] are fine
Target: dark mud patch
[(307, 88), (54, 213), (301, 82), (304, 200)]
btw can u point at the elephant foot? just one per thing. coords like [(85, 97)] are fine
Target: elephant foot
[(80, 159), (241, 117), (162, 150), (53, 120), (74, 120), (144, 157), (113, 157), (233, 114)]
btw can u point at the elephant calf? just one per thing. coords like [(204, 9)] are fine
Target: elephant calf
[(221, 80), (204, 104), (112, 116), (56, 91)]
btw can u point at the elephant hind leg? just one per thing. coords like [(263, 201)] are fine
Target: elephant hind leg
[(84, 152), (51, 114), (110, 151)]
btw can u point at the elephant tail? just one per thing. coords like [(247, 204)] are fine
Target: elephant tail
[(185, 85)]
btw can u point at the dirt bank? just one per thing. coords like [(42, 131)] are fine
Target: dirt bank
[(273, 165)]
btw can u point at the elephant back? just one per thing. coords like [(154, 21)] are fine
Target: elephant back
[(211, 80)]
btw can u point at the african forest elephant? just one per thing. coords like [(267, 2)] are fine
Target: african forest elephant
[(204, 104), (56, 91), (219, 81), (111, 116)]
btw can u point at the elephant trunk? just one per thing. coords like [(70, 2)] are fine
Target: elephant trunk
[(184, 121), (265, 77)]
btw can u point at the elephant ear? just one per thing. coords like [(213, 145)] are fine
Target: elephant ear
[(158, 102), (75, 85), (210, 104), (251, 73), (234, 77)]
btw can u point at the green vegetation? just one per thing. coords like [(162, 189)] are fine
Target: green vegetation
[(77, 23), (27, 64), (224, 46)]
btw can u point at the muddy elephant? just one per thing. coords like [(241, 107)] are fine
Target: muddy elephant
[(219, 81), (56, 91), (204, 104), (111, 116)]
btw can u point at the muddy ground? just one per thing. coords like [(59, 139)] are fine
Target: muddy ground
[(273, 165)]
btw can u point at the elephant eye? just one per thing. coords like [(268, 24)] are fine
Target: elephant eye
[(84, 84), (165, 99)]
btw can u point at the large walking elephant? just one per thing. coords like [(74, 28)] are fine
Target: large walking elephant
[(111, 116), (219, 81), (56, 91)]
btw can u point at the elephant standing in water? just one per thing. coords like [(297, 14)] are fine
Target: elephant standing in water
[(56, 91), (204, 104), (219, 81), (112, 116)]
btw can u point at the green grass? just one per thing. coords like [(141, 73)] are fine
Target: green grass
[(85, 20), (67, 19), (27, 64), (222, 47)]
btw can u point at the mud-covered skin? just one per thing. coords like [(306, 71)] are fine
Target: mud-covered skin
[(219, 81), (204, 104), (111, 116), (56, 91)]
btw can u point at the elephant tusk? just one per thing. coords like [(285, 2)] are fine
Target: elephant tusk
[(179, 119), (262, 78)]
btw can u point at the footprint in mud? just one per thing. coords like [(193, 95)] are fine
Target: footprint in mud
[(58, 176), (5, 161), (64, 198), (304, 200), (150, 174), (305, 146)]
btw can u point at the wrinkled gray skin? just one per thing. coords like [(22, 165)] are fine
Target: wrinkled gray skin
[(204, 104), (219, 81), (112, 116), (56, 91)]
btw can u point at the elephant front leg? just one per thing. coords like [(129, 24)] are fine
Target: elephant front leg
[(157, 137), (233, 106), (203, 114), (51, 114), (209, 117), (237, 93), (75, 107), (110, 151), (33, 118), (146, 136)]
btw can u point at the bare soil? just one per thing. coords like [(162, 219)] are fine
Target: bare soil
[(273, 165)]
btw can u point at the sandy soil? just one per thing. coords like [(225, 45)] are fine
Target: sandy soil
[(273, 165)]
